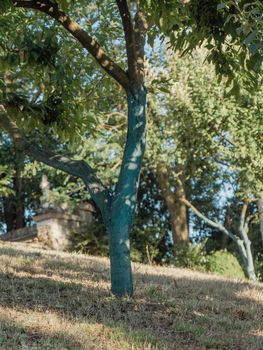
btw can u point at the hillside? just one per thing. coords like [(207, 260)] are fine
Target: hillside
[(51, 300)]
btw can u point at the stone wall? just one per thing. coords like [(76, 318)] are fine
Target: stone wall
[(21, 234), (54, 227)]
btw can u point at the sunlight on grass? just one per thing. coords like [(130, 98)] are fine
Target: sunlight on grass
[(53, 300)]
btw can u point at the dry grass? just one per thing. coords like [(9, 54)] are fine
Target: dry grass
[(52, 300)]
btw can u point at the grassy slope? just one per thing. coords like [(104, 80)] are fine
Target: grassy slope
[(52, 300)]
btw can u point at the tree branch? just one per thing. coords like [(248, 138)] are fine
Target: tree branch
[(141, 27), (211, 223), (243, 243), (243, 218), (90, 44), (250, 218), (129, 39), (77, 168)]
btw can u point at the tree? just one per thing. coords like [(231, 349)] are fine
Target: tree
[(188, 113), (116, 205), (240, 239), (213, 137)]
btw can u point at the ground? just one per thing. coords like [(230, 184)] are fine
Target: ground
[(51, 300)]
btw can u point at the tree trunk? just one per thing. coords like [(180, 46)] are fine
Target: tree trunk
[(243, 242), (119, 244), (14, 206), (119, 217), (14, 209), (244, 247), (180, 226), (260, 210), (250, 263), (9, 212), (19, 198), (218, 236), (177, 209)]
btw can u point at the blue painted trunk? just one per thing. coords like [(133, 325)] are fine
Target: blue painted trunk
[(121, 272), (120, 217)]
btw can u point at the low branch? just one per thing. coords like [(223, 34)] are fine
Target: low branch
[(244, 244), (90, 44), (77, 168), (211, 223)]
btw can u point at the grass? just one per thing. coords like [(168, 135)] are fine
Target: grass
[(51, 300)]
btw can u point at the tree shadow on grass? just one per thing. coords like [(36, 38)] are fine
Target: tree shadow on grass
[(179, 311), (14, 336), (67, 266)]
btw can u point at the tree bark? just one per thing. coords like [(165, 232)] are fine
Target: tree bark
[(14, 206), (119, 218), (19, 197), (177, 209), (9, 212), (118, 227), (243, 232), (260, 210), (181, 210)]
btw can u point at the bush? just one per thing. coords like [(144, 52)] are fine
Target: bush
[(226, 264), (91, 240), (191, 256), (259, 266), (195, 257)]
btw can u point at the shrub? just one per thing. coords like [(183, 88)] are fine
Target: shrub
[(259, 266), (225, 263), (195, 257), (91, 240), (191, 256)]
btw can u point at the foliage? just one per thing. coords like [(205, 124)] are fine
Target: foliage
[(150, 240), (53, 93), (216, 140), (259, 266), (196, 125), (195, 257), (191, 256), (91, 239), (230, 30), (57, 200), (225, 263), (5, 181)]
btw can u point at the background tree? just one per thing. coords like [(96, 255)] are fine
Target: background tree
[(209, 144)]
